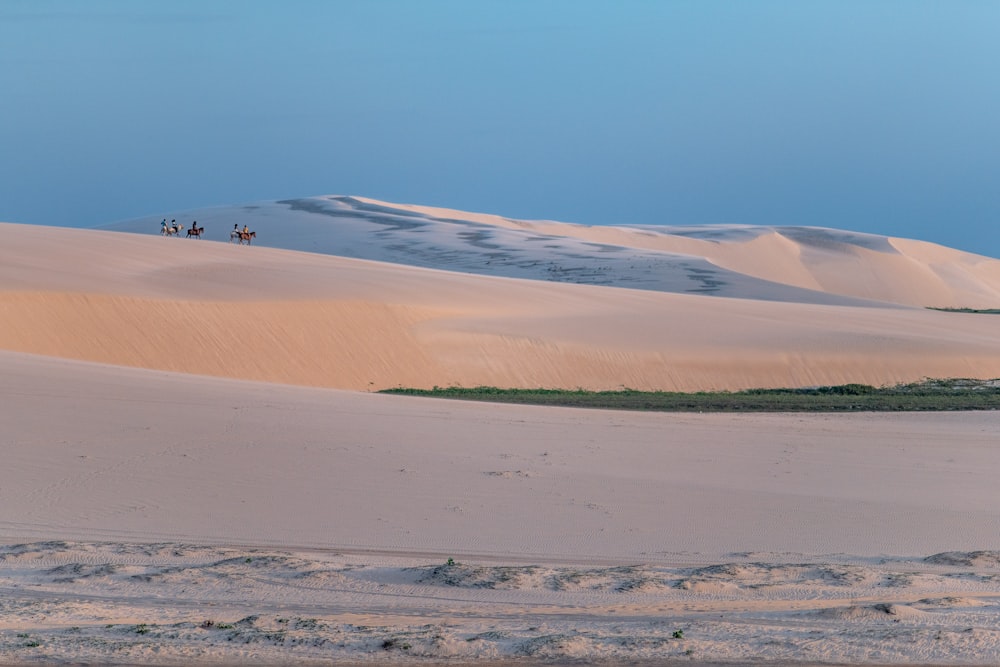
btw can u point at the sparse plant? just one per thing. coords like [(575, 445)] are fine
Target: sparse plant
[(451, 562), (141, 629), (678, 634), (392, 643)]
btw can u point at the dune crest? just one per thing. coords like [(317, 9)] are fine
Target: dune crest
[(802, 264)]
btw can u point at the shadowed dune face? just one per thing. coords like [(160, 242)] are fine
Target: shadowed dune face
[(313, 319), (801, 264)]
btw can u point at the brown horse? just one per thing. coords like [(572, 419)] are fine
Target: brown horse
[(195, 231), (246, 236)]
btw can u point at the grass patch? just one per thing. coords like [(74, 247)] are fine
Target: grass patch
[(929, 395), (981, 311)]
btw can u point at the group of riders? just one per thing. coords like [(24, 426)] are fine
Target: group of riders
[(236, 235)]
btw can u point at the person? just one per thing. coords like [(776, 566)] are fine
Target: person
[(246, 230), (163, 225)]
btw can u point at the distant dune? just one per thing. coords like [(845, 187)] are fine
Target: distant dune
[(802, 264)]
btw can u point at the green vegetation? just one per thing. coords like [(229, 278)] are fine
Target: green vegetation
[(981, 311), (954, 394)]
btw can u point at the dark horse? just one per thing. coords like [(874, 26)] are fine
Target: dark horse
[(246, 236), (195, 231)]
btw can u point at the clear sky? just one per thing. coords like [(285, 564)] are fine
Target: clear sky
[(875, 115)]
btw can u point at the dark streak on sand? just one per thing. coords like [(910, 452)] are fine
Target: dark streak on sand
[(479, 248)]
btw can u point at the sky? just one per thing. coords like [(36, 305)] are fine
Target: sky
[(877, 116)]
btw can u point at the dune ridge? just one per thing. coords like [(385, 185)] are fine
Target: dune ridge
[(313, 319), (805, 264)]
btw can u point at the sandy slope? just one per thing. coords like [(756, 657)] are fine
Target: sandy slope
[(99, 451), (312, 319), (158, 518)]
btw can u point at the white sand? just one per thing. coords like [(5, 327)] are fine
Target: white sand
[(806, 264), (186, 479)]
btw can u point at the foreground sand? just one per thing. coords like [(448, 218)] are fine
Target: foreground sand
[(121, 603), (192, 476), (154, 517)]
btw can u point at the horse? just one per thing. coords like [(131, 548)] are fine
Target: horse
[(172, 230), (195, 231), (237, 235)]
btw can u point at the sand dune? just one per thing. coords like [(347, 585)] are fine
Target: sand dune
[(804, 264), (312, 319), (186, 479)]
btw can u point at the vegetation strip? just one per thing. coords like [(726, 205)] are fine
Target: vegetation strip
[(929, 395)]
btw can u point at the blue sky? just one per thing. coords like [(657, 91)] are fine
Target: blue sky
[(874, 116)]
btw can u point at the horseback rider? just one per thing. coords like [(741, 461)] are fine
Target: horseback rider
[(246, 230)]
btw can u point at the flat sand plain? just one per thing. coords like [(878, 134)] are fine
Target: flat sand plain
[(196, 470)]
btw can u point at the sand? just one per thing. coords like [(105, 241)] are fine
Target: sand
[(313, 319), (197, 470)]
